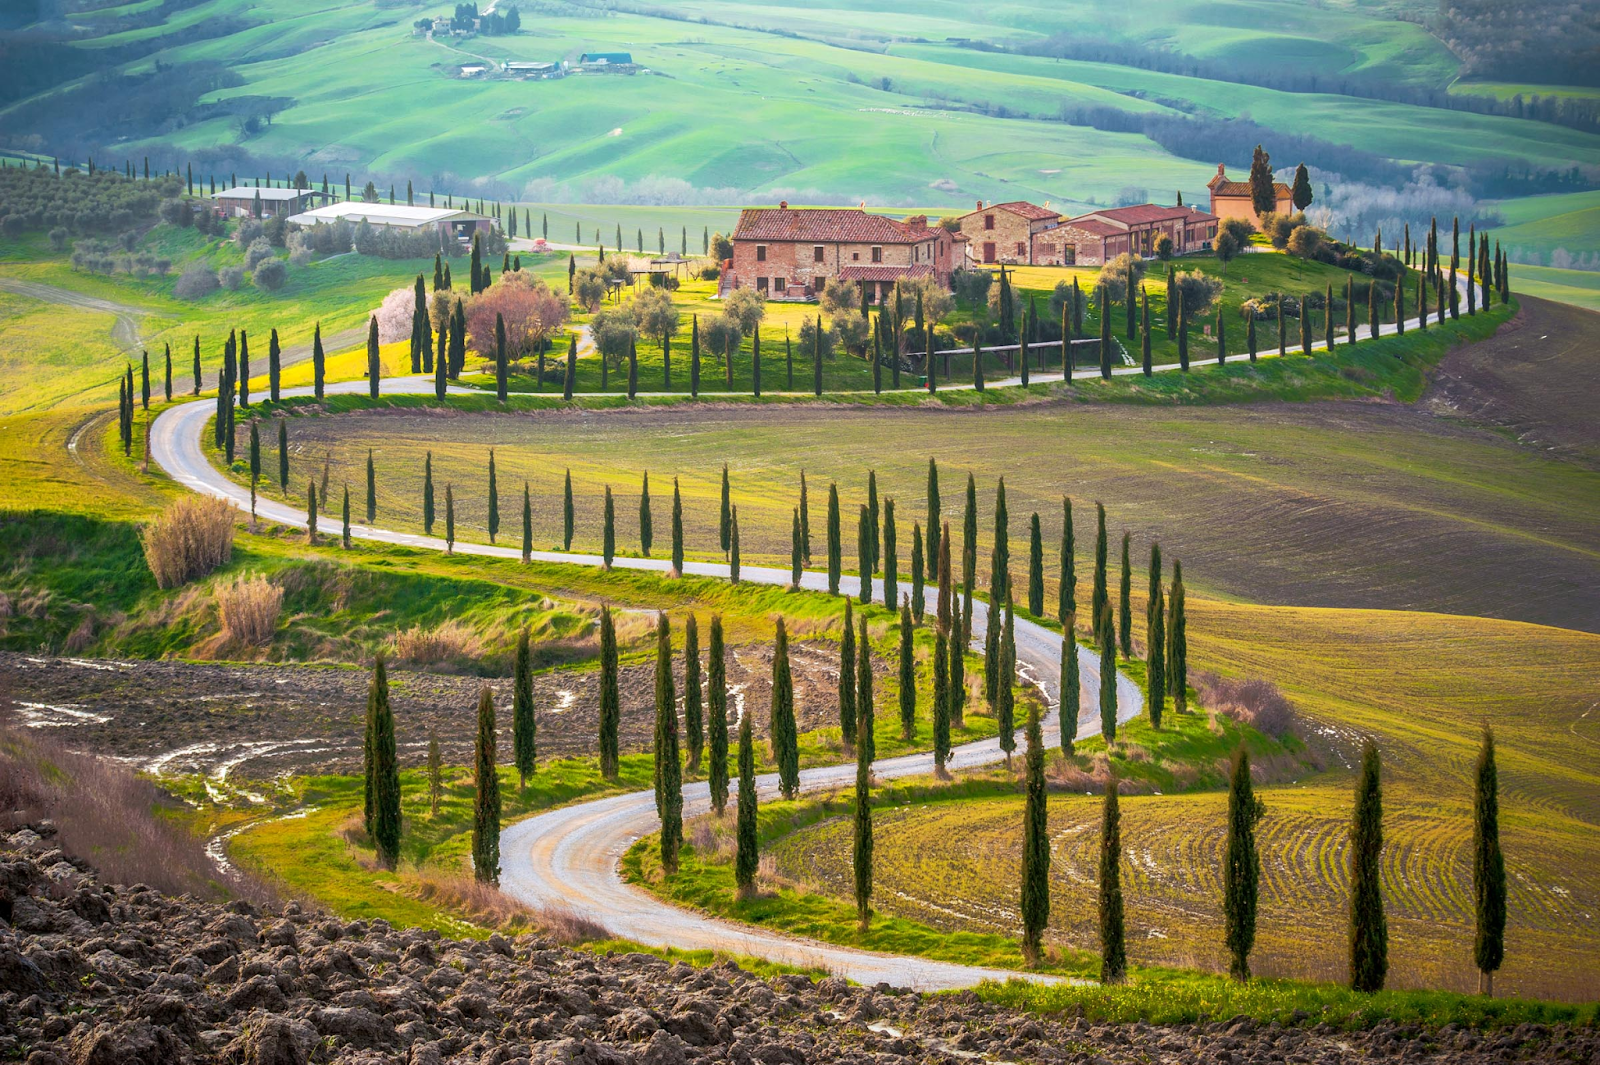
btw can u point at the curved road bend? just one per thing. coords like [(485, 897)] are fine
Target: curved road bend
[(568, 857)]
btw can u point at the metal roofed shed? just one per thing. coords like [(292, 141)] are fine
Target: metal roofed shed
[(455, 223)]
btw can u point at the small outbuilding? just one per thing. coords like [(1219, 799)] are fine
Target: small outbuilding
[(240, 202), (448, 223)]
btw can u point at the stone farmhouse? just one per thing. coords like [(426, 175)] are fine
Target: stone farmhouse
[(1095, 238), (1017, 233), (791, 253), (1231, 199)]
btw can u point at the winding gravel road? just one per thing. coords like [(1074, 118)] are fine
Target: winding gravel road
[(567, 858)]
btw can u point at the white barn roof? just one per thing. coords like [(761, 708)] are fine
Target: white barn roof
[(249, 192), (383, 214)]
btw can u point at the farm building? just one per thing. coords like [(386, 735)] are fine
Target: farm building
[(607, 62), (1095, 238), (1231, 199), (1017, 233), (240, 202), (790, 253), (533, 70), (458, 224)]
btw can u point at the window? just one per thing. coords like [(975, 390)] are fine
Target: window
[(816, 254), (877, 254), (916, 253), (988, 221), (761, 253), (855, 256), (779, 284), (761, 284), (1022, 249)]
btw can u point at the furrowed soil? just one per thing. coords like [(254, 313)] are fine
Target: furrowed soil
[(258, 722), (1330, 504)]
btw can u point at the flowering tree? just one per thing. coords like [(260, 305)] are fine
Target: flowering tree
[(532, 314), (394, 315)]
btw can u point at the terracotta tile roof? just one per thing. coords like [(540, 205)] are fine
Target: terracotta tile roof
[(825, 225), (1242, 188), (1141, 214), (884, 273), (1031, 211), (1094, 226)]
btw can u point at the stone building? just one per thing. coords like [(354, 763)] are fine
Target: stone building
[(790, 253), (1017, 233), (1231, 199), (1099, 236)]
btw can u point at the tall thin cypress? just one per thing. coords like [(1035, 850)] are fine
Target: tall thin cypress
[(524, 730), (733, 550), (195, 388), (669, 771), (785, 740), (694, 736), (486, 807), (890, 557), (677, 529), (717, 717), (1067, 590), (1488, 870), (344, 535), (934, 518), (1125, 602), (283, 455), (725, 515), (747, 856), (1071, 685), (1177, 671), (1108, 675), (873, 514), (527, 523), (1144, 337), (864, 544), (1156, 642), (610, 699), (1113, 945), (861, 857), (1005, 697), (835, 556), (941, 662), (608, 530), (494, 500), (311, 512), (918, 592), (167, 386), (805, 521), (568, 513), (865, 706), (1369, 930), (646, 523), (1241, 867), (908, 676), (385, 773), (427, 492), (1100, 596), (1035, 902), (847, 678), (449, 519), (374, 370)]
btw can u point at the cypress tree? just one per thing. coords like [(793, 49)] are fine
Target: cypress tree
[(1400, 307), (994, 618), (862, 854), (646, 525), (344, 537), (891, 560), (1005, 701), (908, 677), (283, 455), (1100, 597), (755, 362), (934, 506), (677, 526), (610, 699), (1156, 642), (441, 362), (369, 782), (918, 594), (1183, 334), (941, 662), (1125, 603), (725, 518), (1222, 338), (1071, 692), (1250, 332), (733, 553), (435, 775), (427, 493), (1350, 310), (835, 557), (1305, 327), (795, 569), (969, 558), (1488, 870), (1067, 591), (694, 356), (569, 513), (527, 523), (569, 380), (1369, 932), (608, 531), (372, 489), (311, 512), (167, 387), (1241, 867), (1422, 303), (633, 368), (494, 500), (242, 378), (1035, 902), (486, 807), (1372, 310), (1177, 664), (499, 357), (1105, 335), (816, 359), (717, 717), (374, 370), (1283, 328), (847, 678), (1113, 948), (524, 729), (805, 521), (785, 741), (449, 519), (195, 388), (669, 772), (747, 857), (1108, 676), (255, 460), (693, 719), (385, 772), (864, 554), (872, 518), (1035, 567), (865, 720), (1144, 341)]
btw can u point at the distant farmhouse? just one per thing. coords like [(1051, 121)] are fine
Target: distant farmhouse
[(448, 223), (240, 202), (791, 253), (1231, 199), (1019, 233), (1015, 233)]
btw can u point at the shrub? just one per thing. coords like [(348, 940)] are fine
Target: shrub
[(448, 642), (248, 233), (1251, 701), (196, 283), (807, 340), (1163, 247), (231, 277), (1199, 290), (248, 609), (838, 296), (710, 273), (853, 330), (972, 286), (271, 274), (1239, 227), (58, 239), (189, 539), (1121, 276), (1305, 241), (258, 251), (748, 306)]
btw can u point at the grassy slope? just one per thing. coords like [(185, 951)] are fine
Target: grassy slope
[(62, 353), (1581, 288)]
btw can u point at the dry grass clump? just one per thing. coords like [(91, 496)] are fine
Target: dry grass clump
[(449, 641), (189, 539), (1251, 701), (569, 928), (248, 609), (107, 815)]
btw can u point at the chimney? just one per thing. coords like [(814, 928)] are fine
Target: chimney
[(783, 205), (980, 205)]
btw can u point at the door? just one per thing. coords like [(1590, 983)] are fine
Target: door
[(988, 251)]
